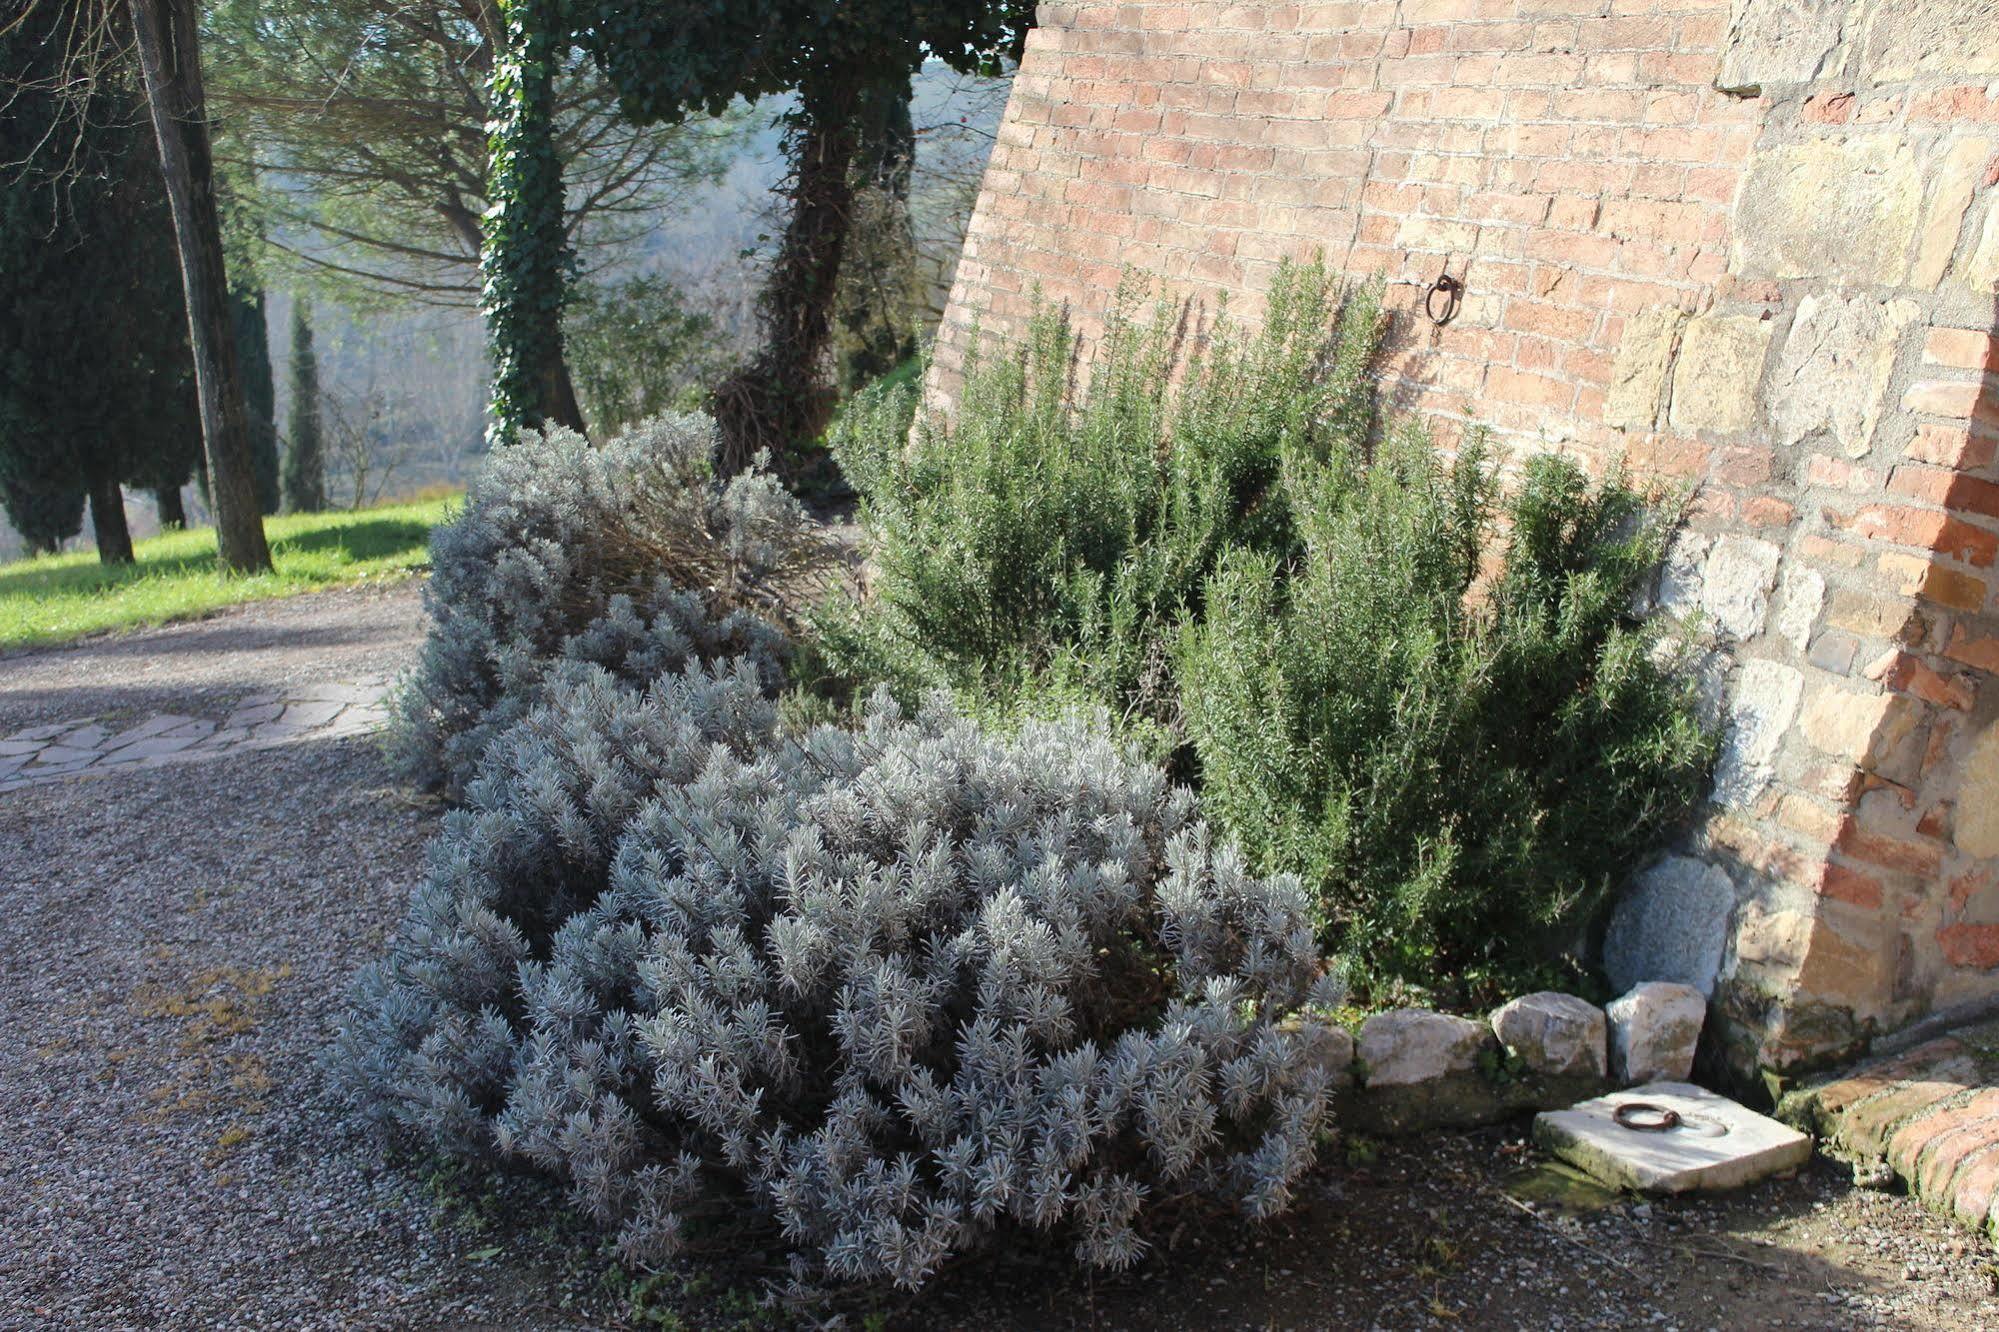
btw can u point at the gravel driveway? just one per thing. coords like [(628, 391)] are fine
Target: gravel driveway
[(177, 941)]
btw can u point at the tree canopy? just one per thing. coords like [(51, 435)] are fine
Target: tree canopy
[(96, 379)]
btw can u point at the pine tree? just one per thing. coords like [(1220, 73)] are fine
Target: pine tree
[(305, 456)]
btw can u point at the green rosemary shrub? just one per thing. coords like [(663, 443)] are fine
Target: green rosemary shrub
[(1038, 548), (1248, 573), (1465, 770)]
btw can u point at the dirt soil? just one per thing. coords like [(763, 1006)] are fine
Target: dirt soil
[(179, 940)]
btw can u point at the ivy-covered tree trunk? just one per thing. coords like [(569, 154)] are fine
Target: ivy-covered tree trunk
[(260, 392), (526, 257), (167, 504), (107, 520), (166, 38), (781, 399), (877, 310), (305, 456)]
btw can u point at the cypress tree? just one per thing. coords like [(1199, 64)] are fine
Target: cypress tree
[(305, 458), (93, 348), (44, 516), (260, 391)]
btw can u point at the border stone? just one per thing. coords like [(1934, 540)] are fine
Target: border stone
[(1654, 1028), (1554, 1034)]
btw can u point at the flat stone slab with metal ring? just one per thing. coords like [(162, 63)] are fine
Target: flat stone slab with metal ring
[(1670, 1137)]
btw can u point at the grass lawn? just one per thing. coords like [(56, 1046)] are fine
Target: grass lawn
[(54, 598)]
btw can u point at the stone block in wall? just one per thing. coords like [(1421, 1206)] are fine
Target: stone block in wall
[(1839, 208), (1861, 729), (1780, 42), (1644, 361), (1833, 371), (1957, 179), (1981, 267), (1833, 974), (1913, 39), (1802, 597), (1720, 365), (1765, 701), (1976, 831), (1672, 924), (1736, 581)]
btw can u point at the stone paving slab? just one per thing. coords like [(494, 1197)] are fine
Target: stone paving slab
[(1930, 1115), (1715, 1143), (85, 746)]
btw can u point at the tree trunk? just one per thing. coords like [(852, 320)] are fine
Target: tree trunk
[(167, 503), (876, 313), (526, 259), (107, 520), (780, 400), (170, 59)]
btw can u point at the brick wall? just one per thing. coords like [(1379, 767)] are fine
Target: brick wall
[(1750, 247)]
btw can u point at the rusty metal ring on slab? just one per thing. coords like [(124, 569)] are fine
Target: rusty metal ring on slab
[(1644, 1117)]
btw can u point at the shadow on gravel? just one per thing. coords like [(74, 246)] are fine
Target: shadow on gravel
[(1424, 1236), (212, 635)]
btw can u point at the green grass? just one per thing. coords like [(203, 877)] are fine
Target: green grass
[(56, 598)]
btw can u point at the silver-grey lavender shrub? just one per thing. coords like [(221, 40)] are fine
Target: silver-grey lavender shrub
[(890, 988), (630, 556)]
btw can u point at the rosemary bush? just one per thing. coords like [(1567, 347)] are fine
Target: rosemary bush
[(631, 556), (1465, 770), (1257, 577), (889, 989), (1042, 543)]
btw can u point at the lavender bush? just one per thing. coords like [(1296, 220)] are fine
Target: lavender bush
[(891, 989)]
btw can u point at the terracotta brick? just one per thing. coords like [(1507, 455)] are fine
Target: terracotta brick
[(1850, 885), (1973, 649), (1962, 348), (1975, 946), (1951, 446), (1868, 1127), (1920, 527), (1835, 1097), (1971, 1194), (1946, 1154), (1904, 672), (1889, 852), (1906, 1148), (1966, 400)]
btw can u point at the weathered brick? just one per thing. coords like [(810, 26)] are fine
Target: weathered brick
[(1834, 1098), (1966, 945), (1951, 446), (1971, 1193), (1943, 1156), (1867, 1128), (1962, 348), (1920, 1134)]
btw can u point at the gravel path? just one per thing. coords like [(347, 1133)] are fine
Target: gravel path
[(179, 938)]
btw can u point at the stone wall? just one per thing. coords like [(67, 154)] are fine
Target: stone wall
[(1753, 249)]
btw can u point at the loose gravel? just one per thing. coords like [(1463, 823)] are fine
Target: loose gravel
[(178, 941)]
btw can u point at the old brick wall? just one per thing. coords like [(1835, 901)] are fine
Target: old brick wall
[(1751, 247)]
